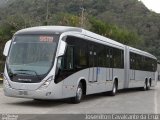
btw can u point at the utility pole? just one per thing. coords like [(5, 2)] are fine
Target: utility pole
[(82, 17), (47, 11), (82, 13)]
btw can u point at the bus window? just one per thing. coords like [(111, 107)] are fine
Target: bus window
[(101, 51), (81, 54), (68, 59)]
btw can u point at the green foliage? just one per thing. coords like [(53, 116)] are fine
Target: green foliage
[(67, 19), (114, 32), (5, 34)]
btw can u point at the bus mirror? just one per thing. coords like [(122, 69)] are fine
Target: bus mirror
[(6, 48), (59, 65), (62, 48)]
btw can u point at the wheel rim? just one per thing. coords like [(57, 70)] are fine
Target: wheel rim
[(148, 85), (114, 88), (79, 93), (145, 86)]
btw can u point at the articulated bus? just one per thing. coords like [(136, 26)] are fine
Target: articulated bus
[(57, 62)]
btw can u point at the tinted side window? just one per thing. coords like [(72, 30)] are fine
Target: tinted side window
[(108, 57), (140, 62), (101, 53), (81, 53), (69, 58), (132, 61), (122, 59), (111, 57), (118, 58)]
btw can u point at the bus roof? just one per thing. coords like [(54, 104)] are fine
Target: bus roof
[(48, 30), (63, 29), (142, 52), (102, 38)]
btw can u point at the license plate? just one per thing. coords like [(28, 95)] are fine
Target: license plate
[(23, 93)]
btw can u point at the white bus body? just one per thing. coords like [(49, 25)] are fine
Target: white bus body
[(83, 63)]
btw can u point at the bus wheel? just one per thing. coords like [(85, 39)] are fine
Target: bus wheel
[(79, 94), (39, 100), (148, 85), (114, 89), (145, 85)]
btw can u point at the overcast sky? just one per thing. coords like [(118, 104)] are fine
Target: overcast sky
[(153, 5)]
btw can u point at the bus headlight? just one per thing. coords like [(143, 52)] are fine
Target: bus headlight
[(46, 83), (5, 81)]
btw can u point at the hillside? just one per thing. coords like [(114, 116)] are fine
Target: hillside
[(131, 15)]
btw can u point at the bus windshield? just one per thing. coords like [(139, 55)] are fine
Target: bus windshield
[(31, 57)]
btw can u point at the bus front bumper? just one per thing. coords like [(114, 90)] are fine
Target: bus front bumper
[(36, 94)]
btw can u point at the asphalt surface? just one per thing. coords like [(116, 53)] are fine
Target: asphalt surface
[(126, 101), (1, 85)]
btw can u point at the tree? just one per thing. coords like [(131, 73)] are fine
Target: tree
[(114, 32)]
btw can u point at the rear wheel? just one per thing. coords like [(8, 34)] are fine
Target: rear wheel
[(145, 85), (79, 94), (148, 85), (38, 100)]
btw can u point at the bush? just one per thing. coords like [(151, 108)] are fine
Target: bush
[(1, 67)]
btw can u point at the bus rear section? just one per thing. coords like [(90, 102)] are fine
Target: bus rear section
[(142, 69)]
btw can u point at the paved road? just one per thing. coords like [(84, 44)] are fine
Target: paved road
[(1, 85), (126, 101)]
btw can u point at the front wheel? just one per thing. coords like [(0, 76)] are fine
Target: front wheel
[(79, 94), (114, 89)]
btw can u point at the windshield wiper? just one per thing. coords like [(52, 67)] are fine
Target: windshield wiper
[(11, 74), (23, 72)]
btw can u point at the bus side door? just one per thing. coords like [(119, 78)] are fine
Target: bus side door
[(109, 63), (132, 66), (93, 70)]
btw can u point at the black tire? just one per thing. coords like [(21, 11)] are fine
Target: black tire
[(39, 100), (114, 89), (79, 94), (144, 88), (148, 85)]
